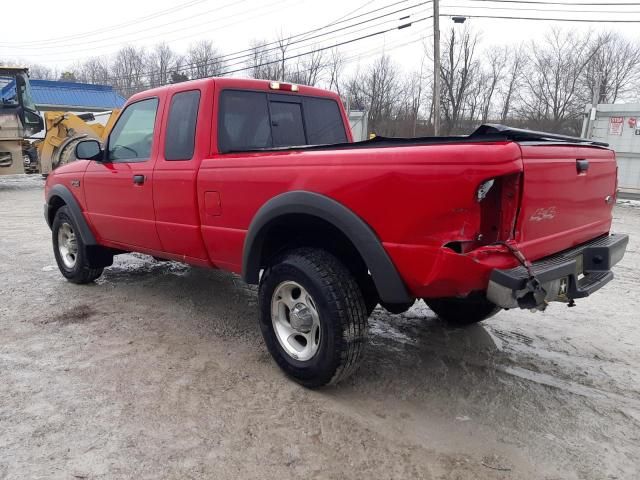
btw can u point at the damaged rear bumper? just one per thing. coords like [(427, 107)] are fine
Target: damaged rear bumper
[(574, 273)]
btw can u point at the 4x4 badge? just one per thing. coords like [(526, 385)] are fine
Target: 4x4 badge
[(75, 183)]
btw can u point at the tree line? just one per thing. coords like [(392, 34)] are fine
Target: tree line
[(542, 85)]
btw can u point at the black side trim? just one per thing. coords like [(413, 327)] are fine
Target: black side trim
[(388, 282), (76, 212)]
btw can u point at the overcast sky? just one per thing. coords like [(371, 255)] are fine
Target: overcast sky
[(58, 34)]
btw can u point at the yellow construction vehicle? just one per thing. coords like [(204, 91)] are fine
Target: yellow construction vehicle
[(19, 118), (64, 131)]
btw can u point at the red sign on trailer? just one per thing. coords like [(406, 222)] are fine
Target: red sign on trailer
[(615, 125)]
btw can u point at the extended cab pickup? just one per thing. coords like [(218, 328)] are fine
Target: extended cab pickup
[(262, 179)]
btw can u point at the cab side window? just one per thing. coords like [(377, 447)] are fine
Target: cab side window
[(181, 127), (132, 136)]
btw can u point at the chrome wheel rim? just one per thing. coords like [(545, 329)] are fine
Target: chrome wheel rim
[(296, 322), (67, 245)]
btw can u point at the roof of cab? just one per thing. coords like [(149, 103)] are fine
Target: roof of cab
[(229, 82)]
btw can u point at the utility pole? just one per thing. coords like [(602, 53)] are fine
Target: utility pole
[(594, 107), (436, 67)]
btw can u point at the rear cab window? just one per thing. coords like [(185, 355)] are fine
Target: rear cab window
[(250, 120)]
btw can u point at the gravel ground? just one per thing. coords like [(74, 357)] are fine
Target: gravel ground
[(159, 371)]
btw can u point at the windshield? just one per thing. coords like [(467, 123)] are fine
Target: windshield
[(16, 91), (8, 96), (24, 88)]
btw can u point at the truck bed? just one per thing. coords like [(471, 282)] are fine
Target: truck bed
[(485, 133)]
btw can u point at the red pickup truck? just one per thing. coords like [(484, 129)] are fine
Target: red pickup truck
[(262, 179)]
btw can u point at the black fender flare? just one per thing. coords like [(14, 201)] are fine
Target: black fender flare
[(74, 208), (388, 282)]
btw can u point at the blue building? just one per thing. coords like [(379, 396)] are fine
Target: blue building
[(50, 95)]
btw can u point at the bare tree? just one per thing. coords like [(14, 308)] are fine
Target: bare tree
[(494, 74), (128, 70), (409, 104), (262, 62), (335, 68), (94, 70), (617, 63), (551, 100), (458, 69), (379, 90), (353, 89), (309, 68), (204, 60), (40, 72), (513, 79), (415, 90), (161, 63)]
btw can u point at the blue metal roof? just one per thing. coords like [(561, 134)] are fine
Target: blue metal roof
[(72, 94)]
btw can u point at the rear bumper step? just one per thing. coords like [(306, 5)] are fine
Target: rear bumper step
[(574, 273)]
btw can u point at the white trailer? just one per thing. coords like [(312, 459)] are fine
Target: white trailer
[(358, 119), (619, 126)]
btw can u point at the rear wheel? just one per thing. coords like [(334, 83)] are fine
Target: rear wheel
[(463, 311), (70, 251), (313, 317)]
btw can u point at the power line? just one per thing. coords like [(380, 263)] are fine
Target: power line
[(356, 31), (347, 60), (575, 20), (340, 21), (173, 22), (305, 34), (251, 51), (209, 24), (566, 4), (310, 52), (134, 21), (545, 10)]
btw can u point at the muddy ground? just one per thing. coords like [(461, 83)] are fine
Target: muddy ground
[(159, 371)]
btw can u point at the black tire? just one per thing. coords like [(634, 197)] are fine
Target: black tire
[(341, 312), (463, 311), (80, 271)]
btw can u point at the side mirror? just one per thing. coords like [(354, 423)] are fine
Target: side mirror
[(89, 150)]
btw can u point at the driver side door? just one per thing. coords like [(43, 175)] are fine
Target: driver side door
[(119, 190)]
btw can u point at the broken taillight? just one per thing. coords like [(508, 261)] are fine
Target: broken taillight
[(499, 202), (483, 189)]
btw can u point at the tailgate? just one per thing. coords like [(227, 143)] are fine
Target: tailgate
[(568, 194)]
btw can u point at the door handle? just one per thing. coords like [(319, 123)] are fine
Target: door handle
[(138, 179), (582, 165)]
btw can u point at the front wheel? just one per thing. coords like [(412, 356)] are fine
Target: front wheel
[(69, 250), (313, 317), (463, 311)]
